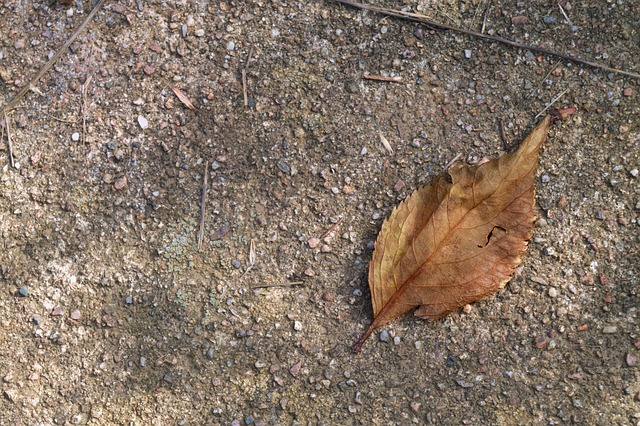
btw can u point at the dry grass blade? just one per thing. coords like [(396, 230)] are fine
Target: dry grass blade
[(183, 98)]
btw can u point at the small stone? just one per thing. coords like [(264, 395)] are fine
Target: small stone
[(384, 336), (467, 53), (143, 361), (75, 137), (553, 293), (231, 46), (76, 315), (549, 19), (295, 368), (120, 183), (396, 340), (297, 326), (520, 20), (143, 122), (328, 297), (313, 242), (634, 172), (199, 32), (325, 248), (36, 320), (128, 300), (57, 312), (541, 342), (415, 406), (628, 92), (23, 291), (236, 264), (632, 360), (260, 364), (418, 344), (309, 272), (610, 329)]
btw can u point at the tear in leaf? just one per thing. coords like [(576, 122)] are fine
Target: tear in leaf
[(458, 239)]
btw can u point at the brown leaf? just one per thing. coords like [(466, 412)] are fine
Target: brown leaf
[(183, 98), (456, 240)]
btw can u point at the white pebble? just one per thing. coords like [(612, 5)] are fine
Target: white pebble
[(297, 325), (384, 336), (553, 293), (275, 32), (231, 46), (396, 340), (69, 13), (634, 172), (199, 32), (467, 54), (75, 137), (143, 122)]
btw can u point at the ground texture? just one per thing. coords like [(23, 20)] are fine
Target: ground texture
[(111, 315)]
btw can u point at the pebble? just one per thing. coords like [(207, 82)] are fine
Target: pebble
[(128, 300), (313, 242), (632, 360), (467, 53), (69, 13), (120, 183), (231, 46), (634, 172), (76, 315), (309, 272), (236, 263), (396, 340), (36, 320), (111, 145), (143, 361), (549, 19), (297, 326), (384, 336), (295, 368), (375, 216), (283, 166), (553, 293), (610, 329), (75, 137), (199, 32), (143, 122), (24, 291)]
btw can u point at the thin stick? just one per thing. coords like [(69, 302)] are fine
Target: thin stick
[(545, 77), (289, 284), (244, 78), (54, 58), (551, 103), (486, 16), (452, 161), (84, 109), (424, 19), (203, 203), (564, 13), (333, 227), (394, 79), (6, 123)]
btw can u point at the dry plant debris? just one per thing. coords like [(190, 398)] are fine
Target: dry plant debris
[(459, 239)]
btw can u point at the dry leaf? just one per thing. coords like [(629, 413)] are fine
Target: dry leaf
[(183, 98), (457, 240)]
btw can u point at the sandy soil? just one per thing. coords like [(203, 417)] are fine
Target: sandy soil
[(110, 313)]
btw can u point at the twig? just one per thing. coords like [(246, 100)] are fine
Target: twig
[(565, 14), (10, 146), (84, 109), (551, 103), (244, 78), (203, 203), (54, 58), (416, 17), (394, 79), (545, 77), (289, 284), (333, 227), (452, 161), (486, 16)]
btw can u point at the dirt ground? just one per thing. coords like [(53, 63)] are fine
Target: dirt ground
[(111, 315)]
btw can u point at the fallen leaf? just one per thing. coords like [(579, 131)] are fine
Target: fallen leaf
[(458, 239), (183, 98)]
